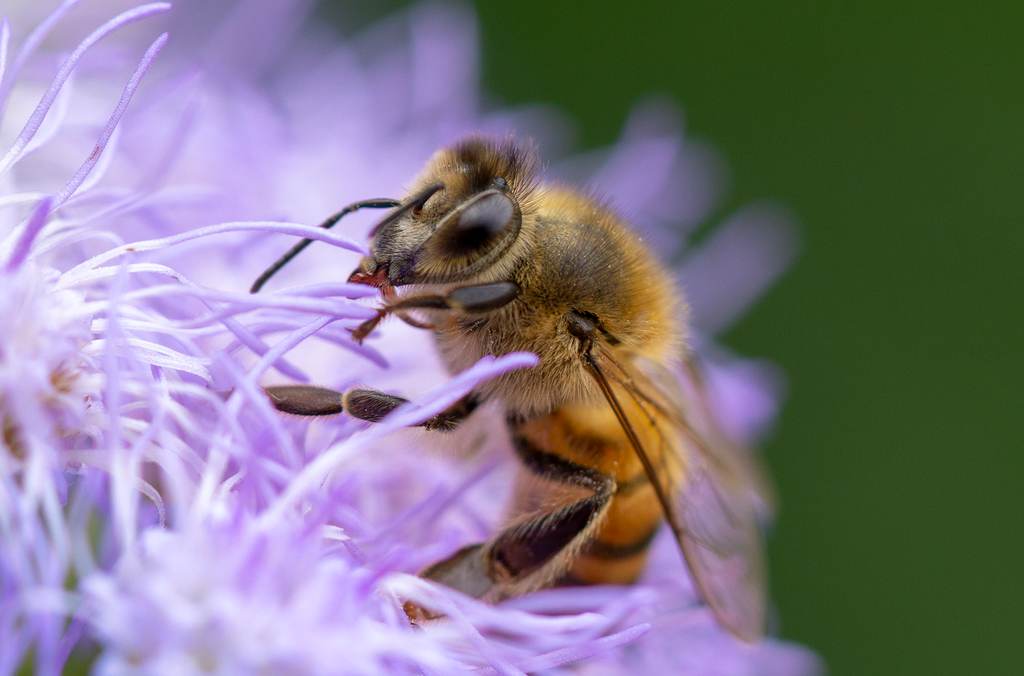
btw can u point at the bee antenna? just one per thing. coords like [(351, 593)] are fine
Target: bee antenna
[(415, 205), (380, 203)]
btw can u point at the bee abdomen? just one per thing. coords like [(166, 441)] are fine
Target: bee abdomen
[(603, 550), (562, 449)]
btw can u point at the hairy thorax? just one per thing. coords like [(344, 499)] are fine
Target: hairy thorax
[(591, 266)]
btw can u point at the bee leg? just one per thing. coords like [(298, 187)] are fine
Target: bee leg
[(532, 553), (370, 405), (526, 548), (477, 298), (305, 400)]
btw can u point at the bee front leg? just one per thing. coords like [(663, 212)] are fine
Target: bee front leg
[(370, 405), (477, 298)]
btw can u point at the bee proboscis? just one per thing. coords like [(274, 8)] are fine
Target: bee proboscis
[(611, 437)]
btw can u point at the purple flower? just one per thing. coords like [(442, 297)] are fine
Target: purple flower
[(153, 505)]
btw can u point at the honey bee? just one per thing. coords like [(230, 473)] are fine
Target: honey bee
[(612, 437)]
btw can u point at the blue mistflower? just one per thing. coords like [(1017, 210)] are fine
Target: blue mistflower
[(157, 515)]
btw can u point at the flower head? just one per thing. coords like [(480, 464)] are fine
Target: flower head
[(203, 531), (49, 383)]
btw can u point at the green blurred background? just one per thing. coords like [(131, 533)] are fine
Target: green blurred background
[(895, 131)]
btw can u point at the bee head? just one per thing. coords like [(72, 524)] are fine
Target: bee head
[(464, 213)]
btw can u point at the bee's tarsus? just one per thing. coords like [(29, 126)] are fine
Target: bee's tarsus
[(305, 400), (372, 406), (360, 333)]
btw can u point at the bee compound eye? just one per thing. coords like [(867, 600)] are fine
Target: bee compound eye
[(483, 219), (470, 238)]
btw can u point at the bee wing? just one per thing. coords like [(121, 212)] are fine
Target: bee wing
[(714, 509)]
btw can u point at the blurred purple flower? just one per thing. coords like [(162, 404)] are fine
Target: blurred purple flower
[(179, 529)]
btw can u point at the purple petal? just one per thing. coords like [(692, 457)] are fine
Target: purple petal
[(36, 119), (284, 545), (5, 40), (737, 263), (35, 223), (31, 43), (115, 117)]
